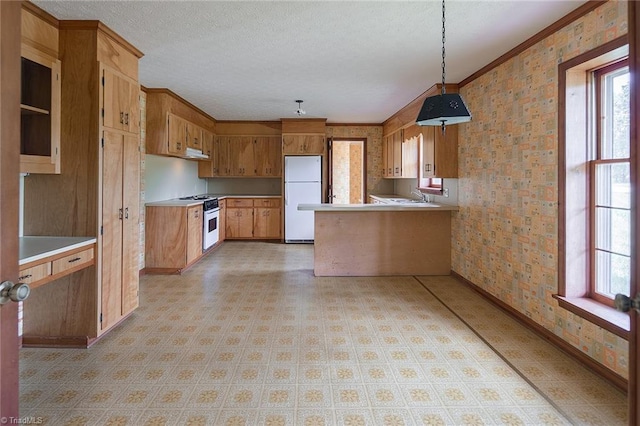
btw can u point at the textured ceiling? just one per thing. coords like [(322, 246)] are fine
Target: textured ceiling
[(351, 62)]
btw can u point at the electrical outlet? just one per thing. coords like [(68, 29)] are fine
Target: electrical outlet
[(445, 192)]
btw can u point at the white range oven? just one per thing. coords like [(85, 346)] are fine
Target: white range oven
[(210, 233)]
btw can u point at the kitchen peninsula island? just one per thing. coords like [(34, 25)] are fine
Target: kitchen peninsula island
[(381, 239)]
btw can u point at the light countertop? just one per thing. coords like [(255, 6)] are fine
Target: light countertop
[(36, 248), (377, 207), (176, 202)]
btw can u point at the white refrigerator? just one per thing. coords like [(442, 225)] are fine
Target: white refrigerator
[(302, 185)]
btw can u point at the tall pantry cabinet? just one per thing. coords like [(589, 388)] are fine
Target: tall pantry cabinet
[(97, 193)]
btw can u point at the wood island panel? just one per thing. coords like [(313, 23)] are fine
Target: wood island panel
[(370, 243)]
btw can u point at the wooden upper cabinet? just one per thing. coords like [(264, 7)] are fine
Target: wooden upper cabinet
[(439, 152), (304, 136), (267, 156), (194, 136), (400, 154), (241, 156), (173, 125), (121, 102), (303, 144), (397, 154), (177, 135), (244, 156), (207, 143), (40, 95)]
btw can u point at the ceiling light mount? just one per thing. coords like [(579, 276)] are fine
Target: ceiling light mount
[(300, 112), (443, 109)]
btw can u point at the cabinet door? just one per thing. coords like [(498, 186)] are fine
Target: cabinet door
[(266, 223), (194, 136), (177, 134), (120, 109), (410, 163), (397, 154), (241, 156), (120, 226), (112, 227), (446, 152), (39, 113), (314, 144), (292, 144), (207, 143), (222, 220), (239, 222), (194, 233), (389, 163), (385, 144), (267, 156), (221, 159), (275, 153), (428, 151), (131, 224)]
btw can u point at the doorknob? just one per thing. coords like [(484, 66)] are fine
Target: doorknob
[(15, 292), (624, 303)]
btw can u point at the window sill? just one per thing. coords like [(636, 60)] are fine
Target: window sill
[(601, 315), (431, 190)]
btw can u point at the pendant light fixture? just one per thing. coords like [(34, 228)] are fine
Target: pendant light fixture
[(445, 108)]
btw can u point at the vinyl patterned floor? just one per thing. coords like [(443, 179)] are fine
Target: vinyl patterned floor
[(250, 337)]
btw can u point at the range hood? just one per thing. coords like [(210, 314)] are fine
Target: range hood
[(195, 153)]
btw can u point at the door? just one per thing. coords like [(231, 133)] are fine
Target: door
[(347, 175), (9, 170)]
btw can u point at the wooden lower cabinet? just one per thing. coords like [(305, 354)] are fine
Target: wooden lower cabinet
[(194, 233), (266, 218), (239, 218), (253, 218), (120, 213), (222, 220), (173, 237)]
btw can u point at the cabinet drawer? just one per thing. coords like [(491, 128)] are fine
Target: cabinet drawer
[(266, 202), (239, 202), (72, 261), (35, 273)]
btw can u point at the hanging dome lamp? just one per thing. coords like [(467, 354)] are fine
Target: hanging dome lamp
[(445, 108)]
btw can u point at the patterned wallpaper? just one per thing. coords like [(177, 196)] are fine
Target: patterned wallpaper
[(143, 146), (505, 235), (375, 183)]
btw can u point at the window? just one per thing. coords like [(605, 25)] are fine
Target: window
[(609, 181), (594, 184)]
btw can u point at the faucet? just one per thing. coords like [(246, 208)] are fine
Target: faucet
[(424, 197)]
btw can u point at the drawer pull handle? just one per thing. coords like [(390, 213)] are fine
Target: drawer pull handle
[(75, 259), (24, 277)]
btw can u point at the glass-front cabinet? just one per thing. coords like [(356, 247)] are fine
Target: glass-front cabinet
[(39, 112)]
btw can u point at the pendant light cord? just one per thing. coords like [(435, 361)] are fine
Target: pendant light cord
[(443, 52)]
